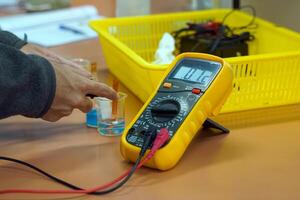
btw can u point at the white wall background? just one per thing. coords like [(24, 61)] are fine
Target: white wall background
[(282, 12)]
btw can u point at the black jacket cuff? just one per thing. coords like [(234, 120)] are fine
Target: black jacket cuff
[(47, 95), (12, 40)]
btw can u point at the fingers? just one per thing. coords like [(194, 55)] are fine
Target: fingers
[(83, 73), (53, 116), (85, 105), (81, 102), (100, 90)]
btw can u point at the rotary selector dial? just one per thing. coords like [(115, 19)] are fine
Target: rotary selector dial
[(166, 111)]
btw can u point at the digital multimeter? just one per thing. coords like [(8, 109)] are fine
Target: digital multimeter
[(195, 87)]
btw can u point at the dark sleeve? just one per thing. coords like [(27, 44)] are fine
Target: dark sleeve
[(10, 39), (27, 83)]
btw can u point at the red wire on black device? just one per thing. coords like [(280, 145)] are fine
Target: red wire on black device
[(160, 139)]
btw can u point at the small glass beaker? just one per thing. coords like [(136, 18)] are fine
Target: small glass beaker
[(111, 115)]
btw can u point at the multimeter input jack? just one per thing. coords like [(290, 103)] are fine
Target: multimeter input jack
[(152, 132), (142, 133)]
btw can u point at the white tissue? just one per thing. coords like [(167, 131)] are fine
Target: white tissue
[(105, 109), (163, 54)]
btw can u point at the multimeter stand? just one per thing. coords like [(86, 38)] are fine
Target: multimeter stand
[(209, 123)]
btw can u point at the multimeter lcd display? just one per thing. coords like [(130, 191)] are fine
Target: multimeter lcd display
[(196, 71)]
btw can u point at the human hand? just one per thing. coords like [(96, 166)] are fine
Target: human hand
[(54, 58), (71, 91), (73, 83)]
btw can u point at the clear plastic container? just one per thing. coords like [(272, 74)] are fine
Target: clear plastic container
[(111, 115)]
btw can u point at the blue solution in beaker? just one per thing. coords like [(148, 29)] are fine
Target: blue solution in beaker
[(91, 118)]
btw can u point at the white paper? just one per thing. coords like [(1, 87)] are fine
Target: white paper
[(8, 2), (44, 28)]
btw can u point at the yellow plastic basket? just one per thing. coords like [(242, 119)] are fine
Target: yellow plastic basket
[(269, 76)]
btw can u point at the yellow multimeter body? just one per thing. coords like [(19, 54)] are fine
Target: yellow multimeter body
[(194, 87)]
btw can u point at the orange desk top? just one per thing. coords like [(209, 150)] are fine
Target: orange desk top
[(259, 159)]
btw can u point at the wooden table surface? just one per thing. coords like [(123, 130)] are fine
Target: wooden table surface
[(259, 159)]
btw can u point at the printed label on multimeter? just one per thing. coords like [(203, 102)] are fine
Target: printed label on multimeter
[(195, 86), (171, 105)]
